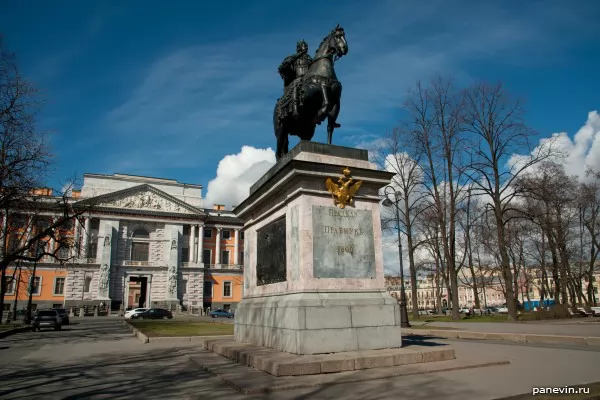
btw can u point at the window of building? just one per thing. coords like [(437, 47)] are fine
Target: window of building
[(185, 254), (242, 235), (140, 233), (35, 285), (39, 248), (13, 242), (140, 251), (87, 283), (208, 289), (93, 248), (207, 232), (206, 256), (242, 258), (59, 286), (226, 234), (227, 289), (225, 257), (140, 247), (9, 284), (595, 290), (226, 307)]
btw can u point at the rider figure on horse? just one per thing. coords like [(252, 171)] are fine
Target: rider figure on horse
[(293, 68)]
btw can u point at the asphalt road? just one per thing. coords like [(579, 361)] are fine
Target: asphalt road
[(98, 358)]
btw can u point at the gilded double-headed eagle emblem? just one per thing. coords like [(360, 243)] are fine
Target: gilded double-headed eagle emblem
[(343, 192)]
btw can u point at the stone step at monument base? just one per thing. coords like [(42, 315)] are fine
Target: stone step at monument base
[(279, 363)]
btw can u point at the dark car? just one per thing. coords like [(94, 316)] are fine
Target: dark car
[(46, 319), (154, 313), (64, 315), (221, 313)]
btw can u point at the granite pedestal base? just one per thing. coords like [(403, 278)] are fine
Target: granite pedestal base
[(320, 322)]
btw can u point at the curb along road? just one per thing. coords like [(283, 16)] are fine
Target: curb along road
[(512, 337), (13, 331)]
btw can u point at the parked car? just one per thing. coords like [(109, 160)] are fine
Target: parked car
[(503, 310), (64, 315), (46, 319), (221, 313), (153, 313), (130, 313)]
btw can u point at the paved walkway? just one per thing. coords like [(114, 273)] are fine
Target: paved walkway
[(572, 328), (98, 358)]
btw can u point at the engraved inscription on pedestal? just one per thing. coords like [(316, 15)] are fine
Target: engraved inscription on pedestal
[(343, 243), (270, 253)]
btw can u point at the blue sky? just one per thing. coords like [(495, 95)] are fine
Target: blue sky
[(168, 89)]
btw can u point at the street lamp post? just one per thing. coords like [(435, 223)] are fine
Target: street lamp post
[(403, 312)]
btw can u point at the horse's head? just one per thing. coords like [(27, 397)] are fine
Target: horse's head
[(334, 44)]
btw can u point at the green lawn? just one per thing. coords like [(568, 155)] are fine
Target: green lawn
[(474, 318), (182, 328)]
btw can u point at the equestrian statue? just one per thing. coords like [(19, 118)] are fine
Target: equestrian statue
[(311, 91)]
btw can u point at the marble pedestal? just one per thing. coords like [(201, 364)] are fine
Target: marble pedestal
[(313, 275)]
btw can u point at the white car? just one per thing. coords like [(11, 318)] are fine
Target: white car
[(135, 311), (503, 310)]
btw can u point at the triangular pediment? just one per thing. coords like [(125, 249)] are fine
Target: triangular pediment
[(142, 198)]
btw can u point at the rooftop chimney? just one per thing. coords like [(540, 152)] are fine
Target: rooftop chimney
[(218, 207)]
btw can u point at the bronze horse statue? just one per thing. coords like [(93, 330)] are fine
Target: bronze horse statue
[(319, 96)]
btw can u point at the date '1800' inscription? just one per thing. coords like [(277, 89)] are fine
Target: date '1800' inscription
[(343, 243)]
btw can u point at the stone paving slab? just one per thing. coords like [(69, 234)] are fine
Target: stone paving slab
[(512, 337), (252, 381), (279, 363)]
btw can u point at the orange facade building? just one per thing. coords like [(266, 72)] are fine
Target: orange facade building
[(148, 242)]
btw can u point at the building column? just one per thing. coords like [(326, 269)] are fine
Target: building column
[(76, 250), (192, 242), (86, 237), (218, 247), (200, 244), (52, 241), (236, 250)]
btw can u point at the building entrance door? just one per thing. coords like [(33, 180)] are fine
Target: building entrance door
[(138, 292)]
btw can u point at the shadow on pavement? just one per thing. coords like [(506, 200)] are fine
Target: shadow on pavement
[(419, 340)]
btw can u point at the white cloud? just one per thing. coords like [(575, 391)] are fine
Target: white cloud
[(236, 173), (577, 155)]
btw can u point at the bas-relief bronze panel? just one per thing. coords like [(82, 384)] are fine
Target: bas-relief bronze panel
[(271, 253)]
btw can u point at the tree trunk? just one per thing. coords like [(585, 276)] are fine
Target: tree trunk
[(17, 289), (2, 291), (505, 262), (411, 256), (30, 298)]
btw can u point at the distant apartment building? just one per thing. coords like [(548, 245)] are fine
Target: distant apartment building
[(488, 285), (148, 242)]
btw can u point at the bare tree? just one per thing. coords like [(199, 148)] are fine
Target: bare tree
[(408, 182), (589, 208), (24, 162), (551, 194), (436, 124), (498, 132)]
